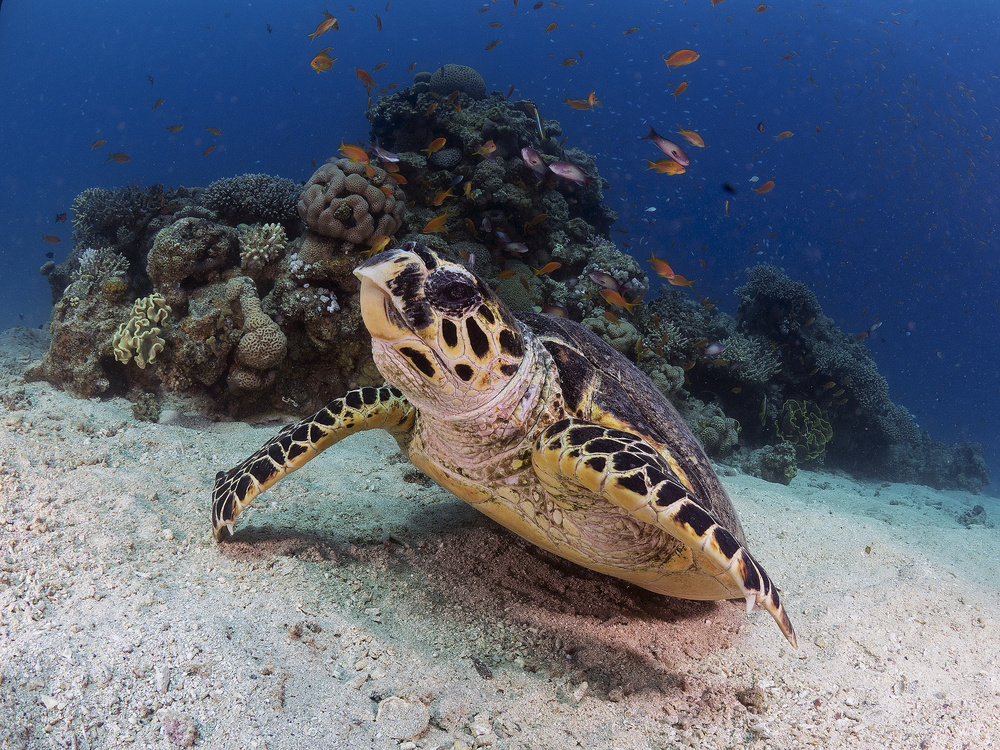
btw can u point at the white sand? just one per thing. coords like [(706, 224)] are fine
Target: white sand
[(123, 624)]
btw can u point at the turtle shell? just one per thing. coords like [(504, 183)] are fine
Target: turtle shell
[(601, 385)]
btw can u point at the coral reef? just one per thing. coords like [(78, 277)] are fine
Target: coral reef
[(262, 346), (260, 246), (187, 254), (253, 198), (772, 463), (461, 78), (139, 337), (100, 214), (342, 202), (804, 426)]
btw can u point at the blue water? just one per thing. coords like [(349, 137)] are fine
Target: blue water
[(885, 198)]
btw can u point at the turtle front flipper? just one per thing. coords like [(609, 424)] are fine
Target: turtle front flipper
[(299, 443), (627, 471)]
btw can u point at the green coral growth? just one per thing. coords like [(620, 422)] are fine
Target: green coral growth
[(804, 426)]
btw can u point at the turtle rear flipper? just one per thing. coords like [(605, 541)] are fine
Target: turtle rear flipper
[(627, 471), (299, 443)]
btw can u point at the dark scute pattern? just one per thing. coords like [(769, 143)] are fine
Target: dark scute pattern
[(554, 429), (369, 396), (276, 453), (419, 360), (693, 515), (477, 339), (295, 451), (509, 369), (633, 483), (449, 332), (580, 435), (464, 372), (315, 433), (604, 445), (670, 492), (626, 461), (726, 542), (384, 394), (487, 315), (750, 578), (301, 433), (337, 407), (395, 391), (422, 252), (597, 463), (511, 343), (353, 400), (242, 487), (324, 417)]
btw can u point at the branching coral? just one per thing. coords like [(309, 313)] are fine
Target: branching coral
[(251, 198), (139, 337), (341, 203), (100, 213), (804, 426), (755, 360), (260, 245)]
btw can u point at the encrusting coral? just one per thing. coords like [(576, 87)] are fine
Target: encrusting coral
[(187, 254), (263, 345), (139, 337)]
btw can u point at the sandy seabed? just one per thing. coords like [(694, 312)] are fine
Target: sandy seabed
[(360, 607)]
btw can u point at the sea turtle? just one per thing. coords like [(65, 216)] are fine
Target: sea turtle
[(534, 421)]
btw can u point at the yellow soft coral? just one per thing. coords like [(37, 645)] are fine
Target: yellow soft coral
[(139, 337), (804, 426)]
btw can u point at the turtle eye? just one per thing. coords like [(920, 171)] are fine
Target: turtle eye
[(452, 292)]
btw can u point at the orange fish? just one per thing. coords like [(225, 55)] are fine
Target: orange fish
[(692, 137), (379, 66), (715, 2), (681, 57), (678, 280), (547, 268), (364, 78), (486, 150), (767, 187), (400, 180), (97, 144), (157, 103), (681, 88), (535, 220), (208, 150), (378, 22), (783, 135), (430, 108), (354, 153), (322, 62), (324, 26), (589, 103), (436, 224), (412, 66), (494, 24), (761, 8), (120, 158), (508, 274), (379, 243), (614, 298), (467, 190), (441, 196), (174, 128), (551, 27), (436, 145), (568, 62), (214, 131), (51, 239), (665, 166), (661, 267), (611, 316), (492, 45), (631, 30)]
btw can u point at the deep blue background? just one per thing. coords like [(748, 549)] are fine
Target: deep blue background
[(885, 199)]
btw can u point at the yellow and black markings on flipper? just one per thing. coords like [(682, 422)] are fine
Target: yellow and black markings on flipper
[(629, 472), (297, 444)]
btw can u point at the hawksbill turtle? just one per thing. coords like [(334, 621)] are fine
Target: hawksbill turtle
[(534, 421)]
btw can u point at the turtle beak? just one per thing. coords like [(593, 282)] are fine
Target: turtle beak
[(378, 309)]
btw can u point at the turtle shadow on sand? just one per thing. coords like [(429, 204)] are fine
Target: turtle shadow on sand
[(470, 574)]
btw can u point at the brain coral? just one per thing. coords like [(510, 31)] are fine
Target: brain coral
[(461, 78), (341, 203), (263, 345), (251, 198), (139, 336)]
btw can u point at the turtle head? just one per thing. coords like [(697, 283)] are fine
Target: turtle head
[(439, 333)]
